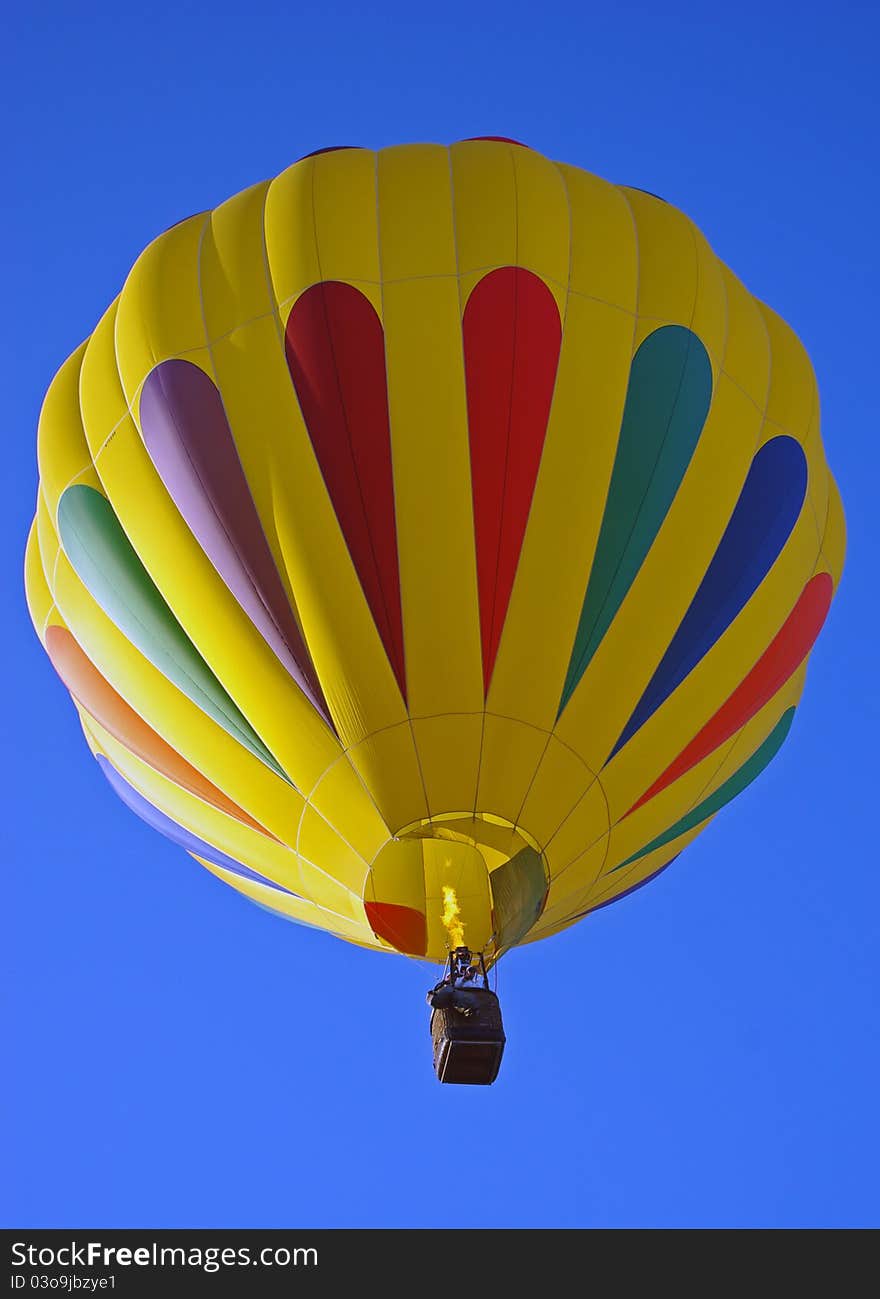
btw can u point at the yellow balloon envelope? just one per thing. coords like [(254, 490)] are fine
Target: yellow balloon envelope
[(434, 519)]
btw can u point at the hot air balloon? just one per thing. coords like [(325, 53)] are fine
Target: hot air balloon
[(432, 541)]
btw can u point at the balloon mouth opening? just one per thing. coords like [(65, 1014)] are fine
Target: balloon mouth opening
[(460, 879)]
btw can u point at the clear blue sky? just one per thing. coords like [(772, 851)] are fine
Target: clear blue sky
[(704, 1053)]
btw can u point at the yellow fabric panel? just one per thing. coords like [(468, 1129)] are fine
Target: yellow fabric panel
[(566, 514), (510, 209), (582, 823), (347, 219), (39, 598), (668, 579), (537, 934), (231, 836), (232, 273), (351, 928), (543, 221), (792, 398), (91, 738), (561, 781), (376, 945), (486, 829), (289, 224), (710, 318), (489, 834), (509, 757), (834, 540), (62, 452), (47, 542), (160, 311), (793, 407), (492, 858), (342, 799), (226, 763), (320, 843), (484, 207), (604, 249), (323, 889), (416, 235), (747, 354), (235, 651), (398, 875), (567, 890), (817, 481), (352, 665), (102, 401), (432, 486), (449, 757), (387, 763), (667, 259)]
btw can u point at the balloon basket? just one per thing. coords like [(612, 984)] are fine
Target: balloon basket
[(468, 1048)]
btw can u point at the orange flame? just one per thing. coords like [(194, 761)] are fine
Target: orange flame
[(451, 917)]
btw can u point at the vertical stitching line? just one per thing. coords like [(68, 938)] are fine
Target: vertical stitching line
[(565, 188), (388, 390), (475, 573)]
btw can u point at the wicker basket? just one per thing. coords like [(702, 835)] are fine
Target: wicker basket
[(468, 1048)]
